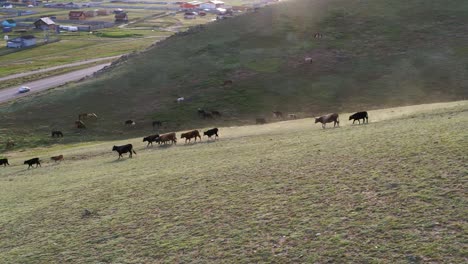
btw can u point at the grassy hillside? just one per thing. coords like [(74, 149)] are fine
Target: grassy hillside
[(373, 53), (390, 191)]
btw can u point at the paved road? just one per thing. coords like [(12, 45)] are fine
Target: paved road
[(11, 93), (14, 76)]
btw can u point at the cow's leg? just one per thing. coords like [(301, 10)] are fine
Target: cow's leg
[(359, 121), (130, 156)]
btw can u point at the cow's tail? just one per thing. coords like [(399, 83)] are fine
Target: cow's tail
[(133, 151)]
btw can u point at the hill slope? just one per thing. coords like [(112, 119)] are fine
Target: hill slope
[(373, 53), (390, 191)]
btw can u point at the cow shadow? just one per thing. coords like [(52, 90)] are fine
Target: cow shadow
[(119, 160)]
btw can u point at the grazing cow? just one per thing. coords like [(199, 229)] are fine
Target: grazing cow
[(207, 116), (86, 116), (211, 132), (57, 158), (167, 137), (318, 35), (277, 114), (4, 162), (180, 99), (227, 82), (57, 133), (79, 124), (201, 112), (292, 116), (308, 60), (191, 134), (150, 139), (130, 122), (33, 161), (124, 149), (358, 116), (215, 113), (157, 124), (260, 121), (10, 143), (328, 119)]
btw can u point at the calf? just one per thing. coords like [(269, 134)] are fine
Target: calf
[(57, 133), (4, 162), (358, 116), (211, 132), (260, 121), (191, 134), (150, 139), (328, 119), (33, 161), (124, 149), (167, 137), (57, 158)]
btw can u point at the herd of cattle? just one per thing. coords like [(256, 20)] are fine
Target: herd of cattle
[(188, 136)]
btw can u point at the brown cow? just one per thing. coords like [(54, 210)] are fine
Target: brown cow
[(227, 82), (87, 115), (277, 114), (79, 124), (191, 134), (328, 119), (57, 158), (166, 138)]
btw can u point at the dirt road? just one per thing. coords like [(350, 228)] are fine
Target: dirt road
[(11, 93)]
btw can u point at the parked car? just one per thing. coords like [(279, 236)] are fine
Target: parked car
[(24, 89)]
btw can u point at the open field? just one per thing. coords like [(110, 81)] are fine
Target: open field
[(289, 192), (373, 54)]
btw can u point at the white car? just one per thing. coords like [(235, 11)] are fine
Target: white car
[(24, 89)]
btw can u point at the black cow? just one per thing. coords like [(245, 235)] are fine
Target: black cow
[(260, 121), (57, 133), (201, 112), (157, 124), (207, 116), (4, 162), (124, 149), (216, 113), (130, 122), (211, 132), (150, 139), (32, 162), (358, 116)]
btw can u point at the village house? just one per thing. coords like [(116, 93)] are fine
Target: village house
[(45, 23), (91, 13), (76, 15), (121, 18), (21, 42), (190, 5), (103, 12), (211, 5)]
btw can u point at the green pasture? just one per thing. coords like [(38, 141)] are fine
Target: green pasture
[(286, 192)]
